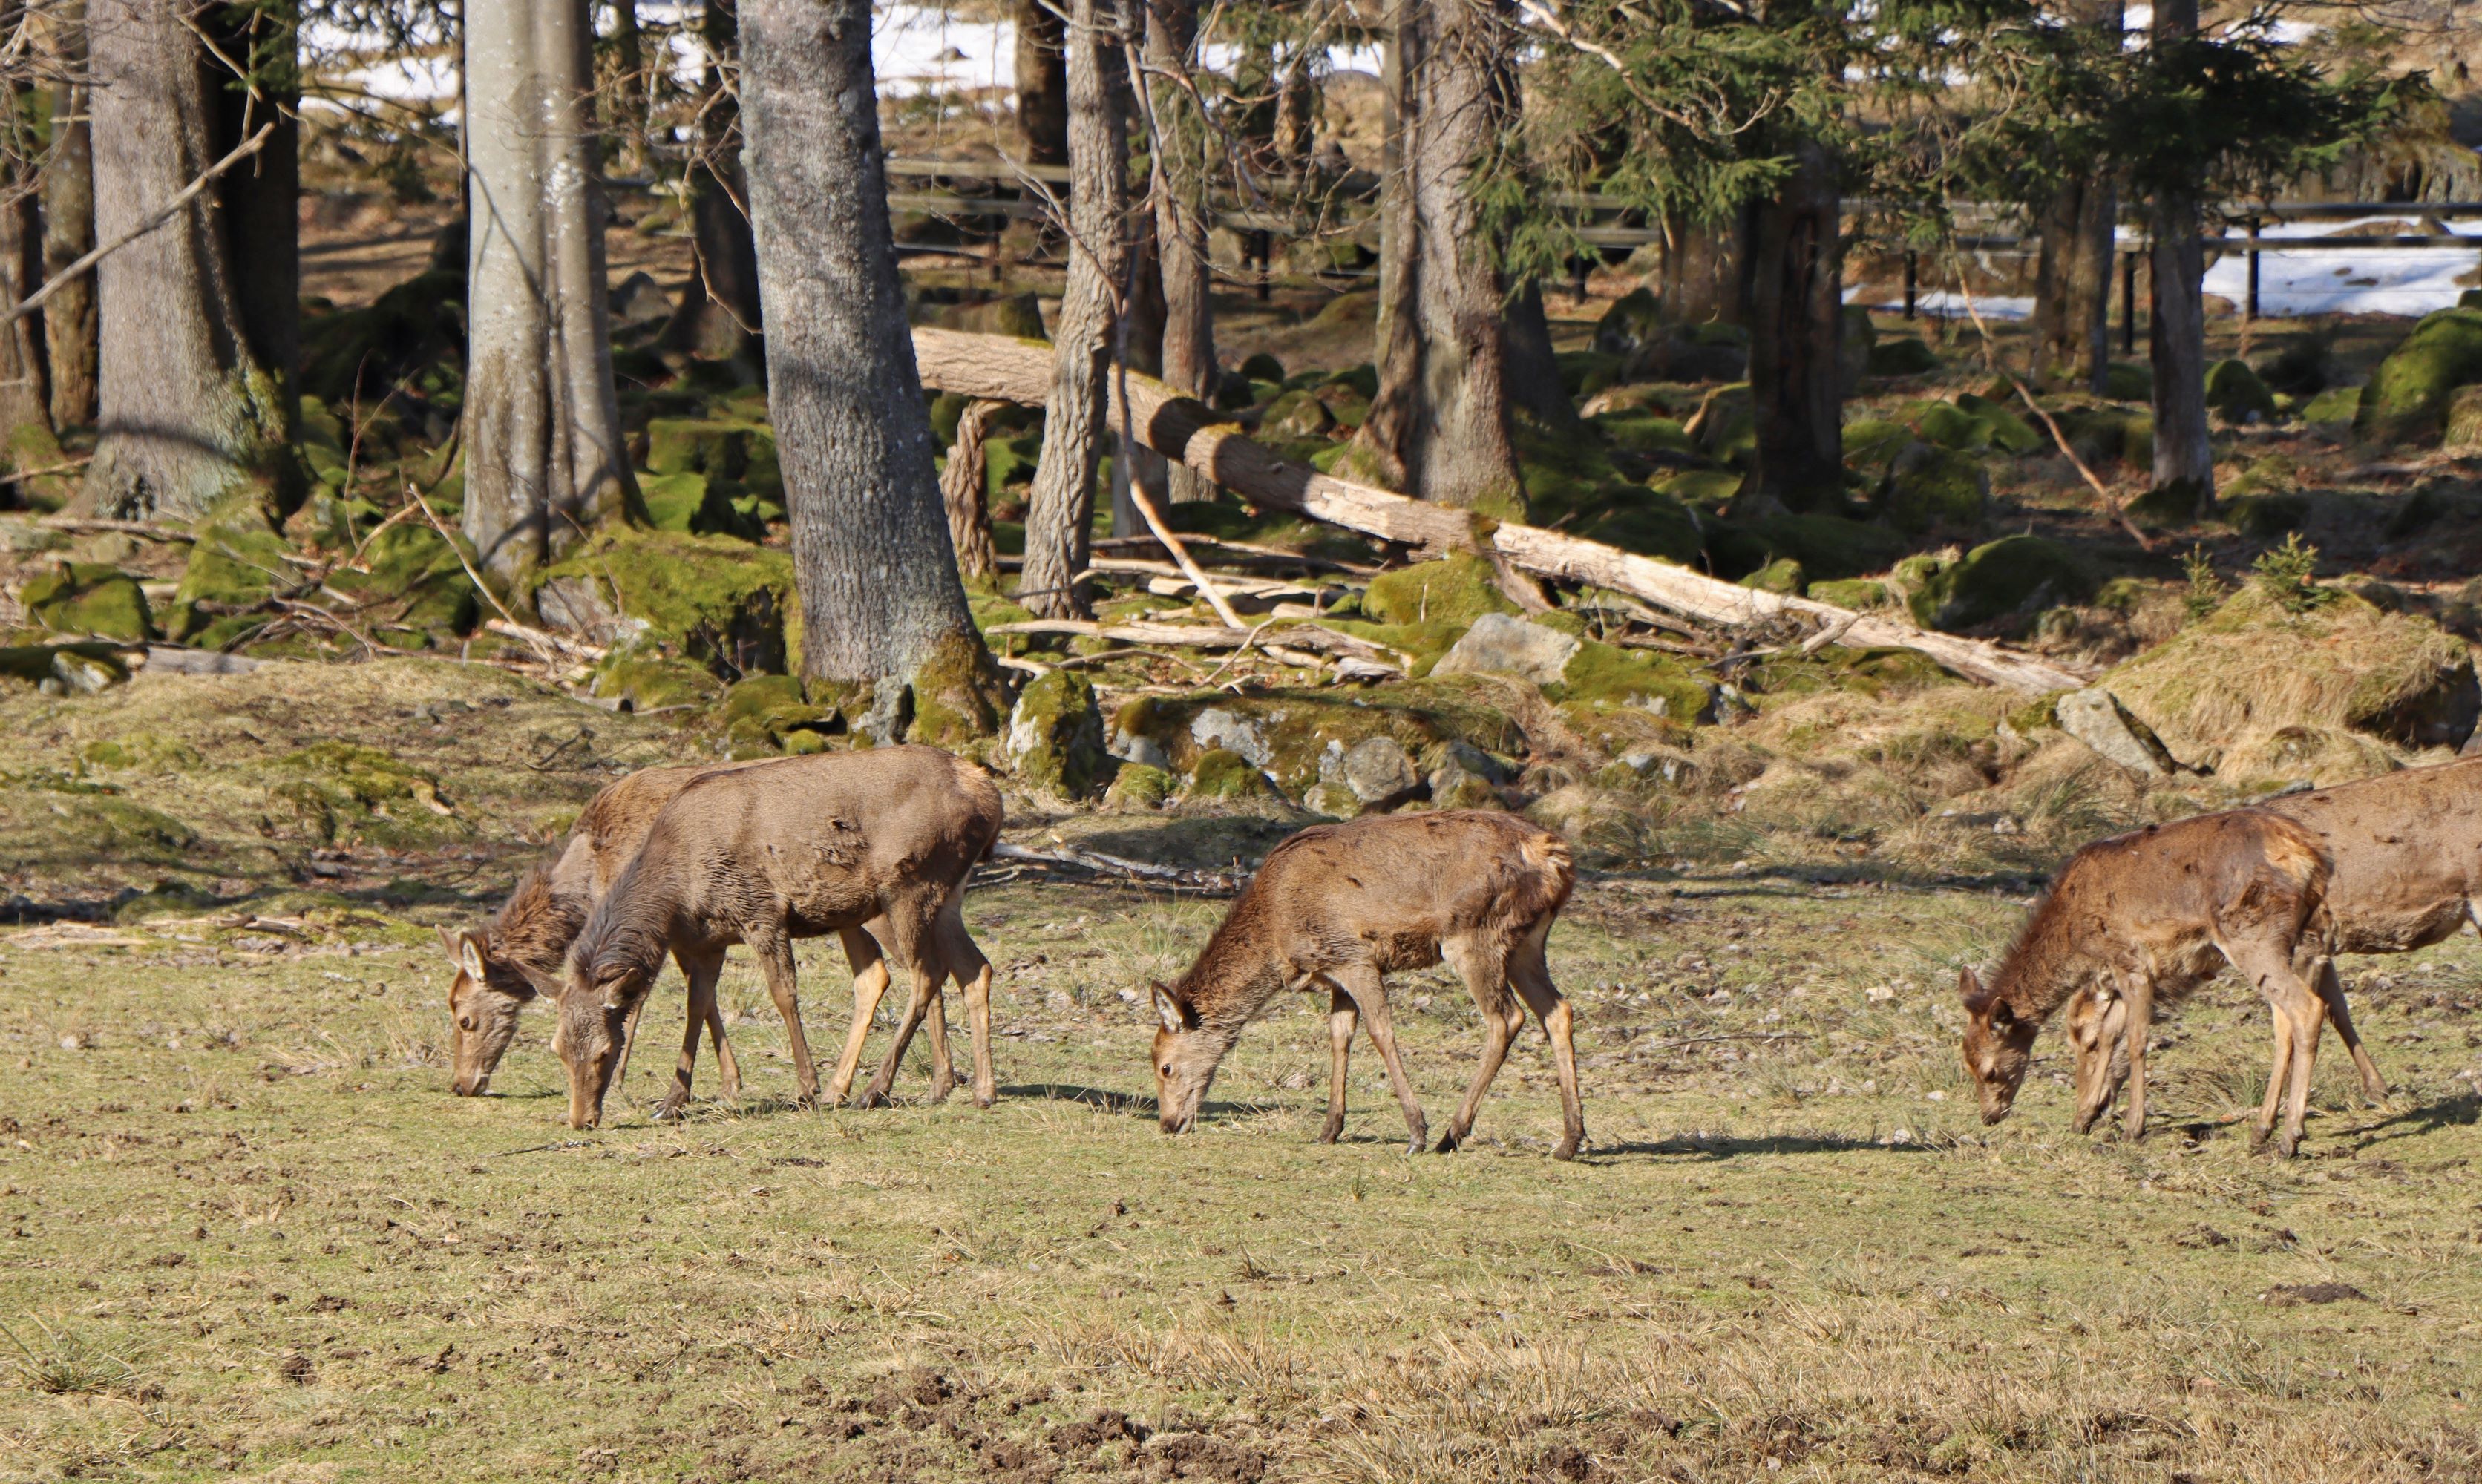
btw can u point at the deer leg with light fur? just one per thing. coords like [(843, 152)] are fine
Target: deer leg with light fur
[(869, 985), (1483, 967), (628, 1040), (2303, 1015), (2374, 1087), (943, 1072), (728, 1068), (904, 944), (2139, 991), (972, 972), (774, 950), (1340, 1025), (700, 970), (1532, 975), (1370, 996)]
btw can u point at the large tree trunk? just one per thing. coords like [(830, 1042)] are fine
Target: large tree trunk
[(263, 198), (1702, 270), (68, 227), (1439, 427), (883, 616), (2184, 460), (1041, 83), (1796, 318), (25, 414), (192, 409), (544, 452), (718, 317), (1183, 165), (1060, 511), (2072, 275), (1533, 368)]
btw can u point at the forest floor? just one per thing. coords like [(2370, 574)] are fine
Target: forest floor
[(249, 1233)]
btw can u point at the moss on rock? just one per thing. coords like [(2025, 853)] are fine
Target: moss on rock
[(1222, 773), (724, 603), (343, 791), (2235, 392), (1140, 786), (1456, 588), (2013, 575), (2407, 398), (1055, 738), (236, 562), (86, 598), (1783, 575), (1930, 488)]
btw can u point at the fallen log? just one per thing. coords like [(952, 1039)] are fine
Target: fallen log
[(1292, 633), (1001, 368)]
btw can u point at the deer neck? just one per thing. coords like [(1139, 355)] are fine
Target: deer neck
[(2042, 969), (1227, 987)]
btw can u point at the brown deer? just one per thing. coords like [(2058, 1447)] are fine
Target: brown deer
[(520, 954), (797, 848), (2404, 854), (1340, 905)]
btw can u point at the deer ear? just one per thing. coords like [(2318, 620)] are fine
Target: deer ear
[(1168, 1009), (451, 938), (1968, 984), (470, 954)]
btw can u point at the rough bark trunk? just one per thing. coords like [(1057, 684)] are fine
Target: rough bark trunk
[(22, 403), (1184, 166), (263, 198), (68, 227), (190, 410), (1533, 370), (2073, 273), (1702, 271), (718, 317), (544, 458), (1041, 83), (1439, 427), (2184, 459), (1796, 319), (964, 488), (883, 616), (1006, 370), (1060, 509)]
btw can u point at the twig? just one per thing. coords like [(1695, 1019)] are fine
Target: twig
[(150, 530), (476, 578), (171, 208)]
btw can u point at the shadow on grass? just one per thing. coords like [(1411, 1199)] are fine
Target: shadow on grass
[(1731, 1147), (1134, 1104), (2461, 1111)]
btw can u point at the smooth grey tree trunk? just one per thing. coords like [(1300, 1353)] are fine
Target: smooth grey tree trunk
[(883, 616), (2184, 459), (544, 460), (1184, 166), (1041, 83), (2073, 273), (1796, 318), (68, 227), (1060, 508), (718, 317), (1439, 427), (190, 409)]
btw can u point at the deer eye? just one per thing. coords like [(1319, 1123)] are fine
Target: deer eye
[(1167, 1069), (464, 1022)]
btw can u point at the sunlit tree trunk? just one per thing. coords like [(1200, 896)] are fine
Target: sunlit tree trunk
[(544, 460), (883, 614), (1060, 513), (68, 227), (2072, 275), (1796, 318), (1184, 166), (23, 408), (2184, 459)]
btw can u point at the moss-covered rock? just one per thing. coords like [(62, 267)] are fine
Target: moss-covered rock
[(1646, 521), (650, 680), (83, 598), (724, 603), (1872, 444), (2129, 381), (2335, 404), (1457, 589), (1703, 489), (1140, 786), (2235, 394), (1854, 593), (2018, 575), (1055, 738), (2406, 400), (1902, 355), (1222, 773), (343, 791), (1602, 677), (2464, 433), (414, 328), (765, 715), (1783, 575), (236, 564), (414, 587), (1929, 487), (1642, 430)]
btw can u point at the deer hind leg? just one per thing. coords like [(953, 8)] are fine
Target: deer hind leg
[(2301, 1015), (870, 983), (700, 970), (1341, 1018), (728, 1069), (1370, 996), (943, 1072), (2374, 1087), (1532, 975), (628, 1041), (972, 972), (907, 929), (774, 950), (1483, 964)]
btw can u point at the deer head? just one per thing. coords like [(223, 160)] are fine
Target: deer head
[(1999, 1045), (1186, 1054), (592, 1034), (482, 1009)]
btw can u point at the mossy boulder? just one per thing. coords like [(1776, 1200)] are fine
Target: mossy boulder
[(1288, 733), (2335, 404), (695, 504), (84, 598), (1055, 738), (769, 714), (2235, 394), (650, 680), (344, 791), (2407, 398), (1902, 355), (73, 668), (1871, 444), (1604, 677), (236, 564), (2464, 434), (1854, 593), (1642, 430), (1783, 575), (1705, 489), (1220, 773), (2018, 575), (1456, 588), (2129, 381), (1971, 423), (1930, 488), (1140, 786), (2097, 434), (1646, 521), (414, 587), (721, 602), (417, 324)]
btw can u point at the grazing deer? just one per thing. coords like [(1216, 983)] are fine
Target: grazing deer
[(1341, 905), (2404, 854), (2161, 911), (797, 849), (505, 964)]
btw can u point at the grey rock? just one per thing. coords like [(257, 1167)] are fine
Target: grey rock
[(1457, 752), (1136, 747), (641, 300), (1216, 727), (1377, 770), (579, 606), (1501, 644), (2096, 717)]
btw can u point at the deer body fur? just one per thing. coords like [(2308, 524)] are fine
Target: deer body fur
[(2404, 856), (2161, 911), (1338, 907), (797, 848)]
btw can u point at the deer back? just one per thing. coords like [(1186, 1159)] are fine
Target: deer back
[(2406, 854)]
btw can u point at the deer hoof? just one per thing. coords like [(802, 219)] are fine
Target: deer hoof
[(1449, 1142), (984, 1097), (872, 1096), (1328, 1132), (939, 1090), (1568, 1149)]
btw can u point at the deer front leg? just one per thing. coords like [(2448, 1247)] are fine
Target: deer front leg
[(700, 970), (972, 972), (1370, 996), (1340, 1019), (1532, 975), (1485, 971), (870, 983), (774, 950), (2138, 989), (2374, 1087)]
